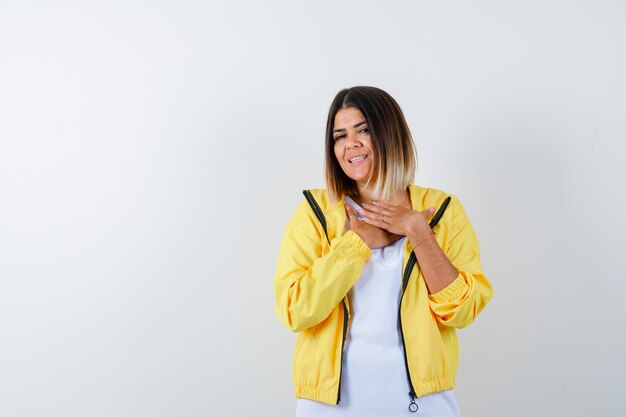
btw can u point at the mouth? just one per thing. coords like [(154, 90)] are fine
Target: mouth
[(357, 159)]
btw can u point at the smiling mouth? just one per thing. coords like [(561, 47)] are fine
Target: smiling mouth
[(357, 159)]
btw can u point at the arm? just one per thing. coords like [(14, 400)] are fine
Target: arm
[(436, 268), (307, 283), (458, 288)]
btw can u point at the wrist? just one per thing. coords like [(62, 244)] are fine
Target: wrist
[(417, 238)]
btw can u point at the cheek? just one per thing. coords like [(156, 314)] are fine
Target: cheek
[(368, 143)]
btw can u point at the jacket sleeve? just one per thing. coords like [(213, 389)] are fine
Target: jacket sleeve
[(307, 283), (458, 304)]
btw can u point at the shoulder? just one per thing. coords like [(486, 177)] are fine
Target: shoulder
[(425, 197), (322, 197), (304, 216)]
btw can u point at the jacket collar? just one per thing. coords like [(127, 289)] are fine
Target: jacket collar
[(336, 213)]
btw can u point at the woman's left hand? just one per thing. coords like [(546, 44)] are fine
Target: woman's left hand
[(396, 219)]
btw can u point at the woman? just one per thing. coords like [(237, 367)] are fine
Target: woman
[(376, 295)]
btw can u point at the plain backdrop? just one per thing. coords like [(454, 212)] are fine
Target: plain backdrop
[(152, 152)]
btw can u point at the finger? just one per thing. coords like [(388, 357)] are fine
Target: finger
[(376, 209), (382, 204), (378, 216), (429, 211), (351, 215), (377, 223)]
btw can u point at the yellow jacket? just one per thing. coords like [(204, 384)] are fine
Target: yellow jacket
[(313, 277)]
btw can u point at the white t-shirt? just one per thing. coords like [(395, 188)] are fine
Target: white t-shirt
[(373, 379)]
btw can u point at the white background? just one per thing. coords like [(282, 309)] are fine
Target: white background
[(152, 152)]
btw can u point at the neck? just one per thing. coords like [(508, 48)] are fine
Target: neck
[(399, 198)]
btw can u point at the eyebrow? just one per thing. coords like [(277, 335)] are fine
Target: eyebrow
[(354, 127)]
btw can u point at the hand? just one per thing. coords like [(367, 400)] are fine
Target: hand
[(373, 236), (396, 219)]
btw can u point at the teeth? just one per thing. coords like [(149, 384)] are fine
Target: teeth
[(358, 158)]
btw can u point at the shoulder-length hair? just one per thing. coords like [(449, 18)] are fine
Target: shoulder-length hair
[(395, 161)]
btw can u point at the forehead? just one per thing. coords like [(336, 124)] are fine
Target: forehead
[(348, 117)]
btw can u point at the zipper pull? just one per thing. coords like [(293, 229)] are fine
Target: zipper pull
[(413, 405)]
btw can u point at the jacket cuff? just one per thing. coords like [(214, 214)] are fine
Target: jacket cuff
[(352, 241), (452, 292)]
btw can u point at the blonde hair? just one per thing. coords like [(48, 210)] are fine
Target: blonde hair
[(395, 160)]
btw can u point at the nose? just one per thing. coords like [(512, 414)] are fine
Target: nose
[(352, 140)]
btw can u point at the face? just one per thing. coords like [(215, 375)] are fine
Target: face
[(353, 146)]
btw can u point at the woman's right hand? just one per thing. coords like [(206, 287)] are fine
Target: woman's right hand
[(373, 236)]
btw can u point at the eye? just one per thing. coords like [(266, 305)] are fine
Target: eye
[(339, 137), (364, 130)]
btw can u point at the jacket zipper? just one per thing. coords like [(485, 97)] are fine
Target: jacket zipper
[(407, 273), (413, 407), (343, 340), (320, 216)]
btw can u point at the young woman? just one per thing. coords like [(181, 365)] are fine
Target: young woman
[(376, 294)]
